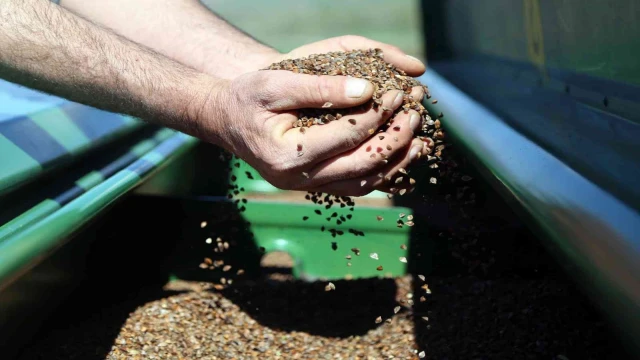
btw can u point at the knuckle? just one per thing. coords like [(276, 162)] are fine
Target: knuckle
[(264, 89), (323, 90)]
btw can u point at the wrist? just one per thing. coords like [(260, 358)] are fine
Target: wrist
[(204, 108), (242, 62)]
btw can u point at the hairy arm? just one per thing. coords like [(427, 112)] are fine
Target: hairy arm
[(184, 30), (47, 48)]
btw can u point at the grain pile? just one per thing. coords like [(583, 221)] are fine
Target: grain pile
[(464, 318)]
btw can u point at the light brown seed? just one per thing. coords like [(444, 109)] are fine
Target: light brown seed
[(208, 261), (381, 137), (434, 101), (433, 180), (403, 259), (379, 268), (402, 171), (363, 182), (389, 196), (423, 299), (402, 191), (380, 218), (409, 223), (396, 309), (410, 217), (226, 268), (374, 256), (380, 175), (305, 174), (352, 121), (398, 180), (422, 277), (371, 131), (348, 257), (300, 153), (387, 178), (240, 272), (412, 181), (378, 319), (422, 354), (327, 105), (330, 286), (425, 318), (401, 215), (403, 247), (389, 147), (203, 224)]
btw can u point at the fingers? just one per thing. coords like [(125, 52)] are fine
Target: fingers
[(322, 142), (282, 90), (417, 93), (392, 54), (372, 155), (393, 177)]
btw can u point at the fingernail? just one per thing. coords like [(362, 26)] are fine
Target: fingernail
[(414, 59), (356, 87), (398, 100), (414, 122), (415, 150)]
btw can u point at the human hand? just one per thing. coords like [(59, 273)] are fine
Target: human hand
[(392, 54), (253, 118)]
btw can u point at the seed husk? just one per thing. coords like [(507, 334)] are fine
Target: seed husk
[(352, 121), (329, 287)]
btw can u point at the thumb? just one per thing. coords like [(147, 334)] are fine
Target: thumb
[(284, 90)]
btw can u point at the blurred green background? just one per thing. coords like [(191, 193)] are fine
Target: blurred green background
[(287, 24)]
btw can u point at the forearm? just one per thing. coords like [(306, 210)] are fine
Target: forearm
[(45, 47), (184, 30)]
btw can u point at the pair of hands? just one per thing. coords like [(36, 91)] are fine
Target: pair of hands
[(255, 112)]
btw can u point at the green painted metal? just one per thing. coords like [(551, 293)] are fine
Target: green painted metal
[(595, 38), (63, 129), (256, 183), (16, 164), (280, 227), (595, 235), (29, 218), (25, 248), (92, 179)]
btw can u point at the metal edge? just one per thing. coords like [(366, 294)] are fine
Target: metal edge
[(594, 235)]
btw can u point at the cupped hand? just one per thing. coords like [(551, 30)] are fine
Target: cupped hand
[(254, 116), (392, 54)]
